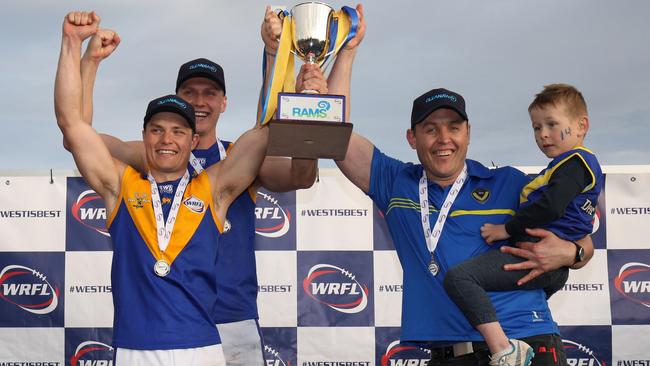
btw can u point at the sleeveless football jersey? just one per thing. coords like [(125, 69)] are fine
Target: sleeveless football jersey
[(174, 311), (236, 266)]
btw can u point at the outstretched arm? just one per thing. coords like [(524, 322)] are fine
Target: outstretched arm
[(281, 174), (100, 47), (91, 156), (271, 31), (356, 164), (231, 176)]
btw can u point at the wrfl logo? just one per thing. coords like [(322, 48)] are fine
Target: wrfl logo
[(92, 349), (633, 283), (320, 112), (338, 289), (28, 289), (405, 355)]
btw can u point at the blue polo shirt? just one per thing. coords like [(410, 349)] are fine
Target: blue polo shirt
[(428, 314)]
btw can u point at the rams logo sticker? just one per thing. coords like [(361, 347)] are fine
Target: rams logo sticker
[(481, 195)]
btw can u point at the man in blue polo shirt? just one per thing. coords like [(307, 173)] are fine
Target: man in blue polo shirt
[(434, 211)]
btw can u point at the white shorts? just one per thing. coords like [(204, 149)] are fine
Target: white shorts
[(200, 356), (241, 342)]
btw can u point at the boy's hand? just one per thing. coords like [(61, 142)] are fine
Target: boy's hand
[(492, 233)]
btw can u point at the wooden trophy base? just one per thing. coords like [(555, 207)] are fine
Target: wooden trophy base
[(308, 139)]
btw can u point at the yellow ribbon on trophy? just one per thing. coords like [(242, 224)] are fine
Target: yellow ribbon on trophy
[(342, 29)]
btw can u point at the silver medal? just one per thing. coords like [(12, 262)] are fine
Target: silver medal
[(161, 268), (433, 267)]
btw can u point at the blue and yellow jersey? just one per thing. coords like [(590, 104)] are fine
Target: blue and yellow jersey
[(578, 217), (174, 311), (236, 266), (428, 314)]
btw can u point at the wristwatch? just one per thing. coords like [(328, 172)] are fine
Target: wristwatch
[(580, 253)]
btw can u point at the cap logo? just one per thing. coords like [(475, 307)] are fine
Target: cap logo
[(441, 96), (203, 66), (172, 100)]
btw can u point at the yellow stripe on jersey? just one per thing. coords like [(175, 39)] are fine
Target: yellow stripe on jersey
[(495, 211), (542, 180), (397, 202)]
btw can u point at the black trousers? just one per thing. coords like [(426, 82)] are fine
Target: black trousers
[(548, 349)]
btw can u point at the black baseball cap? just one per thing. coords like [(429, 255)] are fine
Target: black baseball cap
[(174, 104), (201, 67), (433, 100)]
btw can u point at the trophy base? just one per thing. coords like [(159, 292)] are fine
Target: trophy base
[(308, 139)]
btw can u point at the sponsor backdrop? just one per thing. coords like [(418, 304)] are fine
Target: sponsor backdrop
[(329, 280)]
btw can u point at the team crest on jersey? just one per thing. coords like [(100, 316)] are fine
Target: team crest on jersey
[(139, 200), (194, 204), (481, 195)]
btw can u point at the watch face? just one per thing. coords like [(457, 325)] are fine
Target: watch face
[(580, 253)]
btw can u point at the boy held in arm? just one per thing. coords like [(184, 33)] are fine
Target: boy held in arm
[(562, 199)]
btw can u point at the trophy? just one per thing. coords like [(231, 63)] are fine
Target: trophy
[(308, 124)]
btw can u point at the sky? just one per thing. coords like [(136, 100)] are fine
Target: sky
[(498, 54)]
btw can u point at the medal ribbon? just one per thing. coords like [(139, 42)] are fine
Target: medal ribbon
[(432, 237), (198, 168), (343, 28), (164, 231)]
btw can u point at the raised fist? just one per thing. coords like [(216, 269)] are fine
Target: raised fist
[(101, 45), (271, 30), (80, 24)]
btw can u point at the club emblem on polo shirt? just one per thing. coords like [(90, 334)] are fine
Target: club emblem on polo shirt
[(481, 195)]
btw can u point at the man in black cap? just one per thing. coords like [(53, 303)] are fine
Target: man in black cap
[(164, 273), (202, 83), (434, 211)]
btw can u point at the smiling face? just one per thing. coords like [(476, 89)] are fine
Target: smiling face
[(208, 101), (168, 141), (441, 141), (557, 131)]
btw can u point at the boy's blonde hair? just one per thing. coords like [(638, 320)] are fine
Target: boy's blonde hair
[(555, 94)]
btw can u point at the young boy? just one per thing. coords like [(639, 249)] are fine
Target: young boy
[(562, 199)]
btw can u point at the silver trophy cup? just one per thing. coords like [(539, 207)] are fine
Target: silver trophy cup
[(314, 136), (310, 25)]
